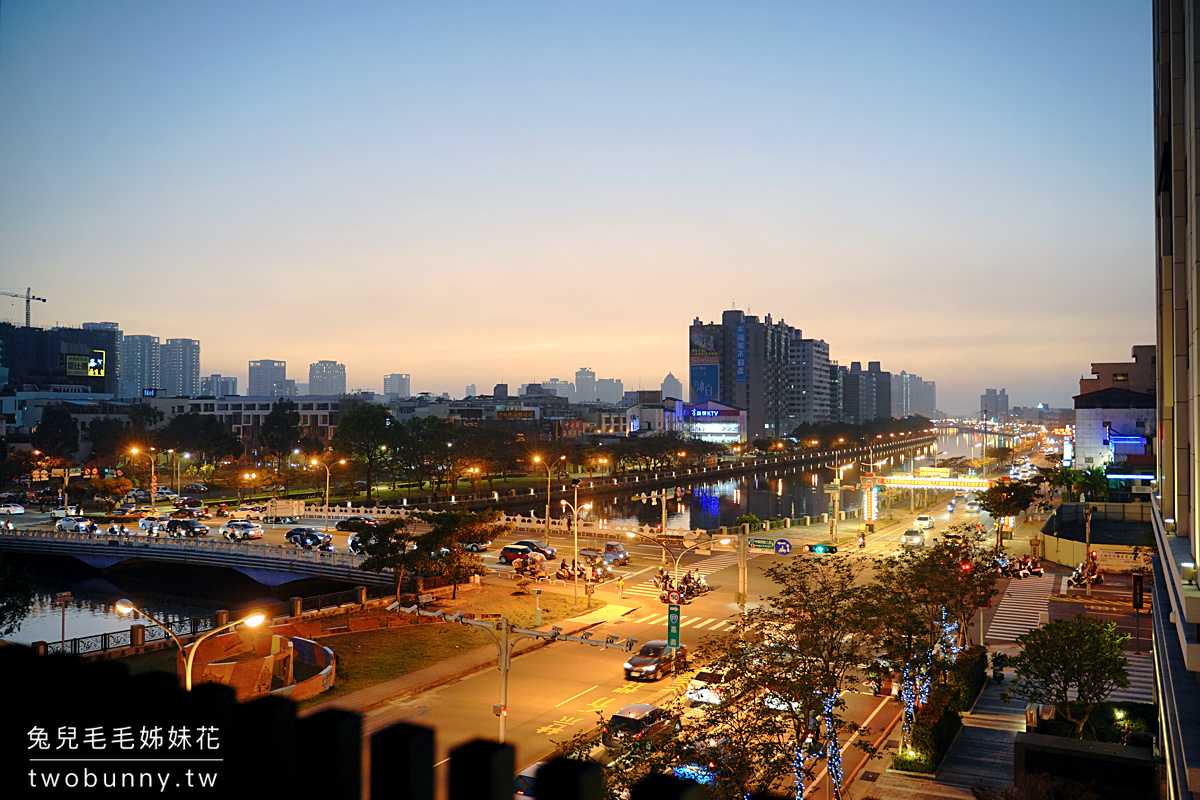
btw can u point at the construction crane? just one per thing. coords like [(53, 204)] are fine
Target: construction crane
[(27, 296)]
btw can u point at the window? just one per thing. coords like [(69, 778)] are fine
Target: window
[(1120, 376)]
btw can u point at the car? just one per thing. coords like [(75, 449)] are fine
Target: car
[(525, 781), (187, 502), (153, 524), (308, 538), (195, 487), (12, 508), (75, 525), (187, 527), (353, 523), (511, 552), (973, 507), (925, 522), (164, 494), (913, 537), (142, 511), (239, 530), (635, 721), (64, 511), (616, 553), (475, 547), (654, 660), (705, 688), (539, 547), (191, 513), (246, 512)]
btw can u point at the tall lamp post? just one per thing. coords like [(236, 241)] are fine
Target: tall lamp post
[(549, 470), (175, 464), (655, 498), (315, 462), (250, 620), (153, 476), (575, 509), (125, 607)]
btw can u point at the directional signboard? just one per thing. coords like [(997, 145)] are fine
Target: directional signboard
[(783, 547), (762, 544), (673, 622)]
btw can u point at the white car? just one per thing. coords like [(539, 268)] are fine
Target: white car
[(246, 512), (925, 522), (705, 688), (12, 508), (74, 525), (153, 524), (239, 530), (913, 538), (973, 507), (62, 513)]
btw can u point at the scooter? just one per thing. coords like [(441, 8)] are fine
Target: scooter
[(998, 661), (1085, 576)]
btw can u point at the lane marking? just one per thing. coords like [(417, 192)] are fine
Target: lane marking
[(572, 697)]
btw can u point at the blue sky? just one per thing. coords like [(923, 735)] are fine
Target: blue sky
[(477, 193)]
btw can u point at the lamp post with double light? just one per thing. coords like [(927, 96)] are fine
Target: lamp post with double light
[(575, 509), (549, 465), (315, 462), (175, 465), (153, 475)]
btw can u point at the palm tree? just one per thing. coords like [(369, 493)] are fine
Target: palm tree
[(1066, 479), (1093, 483)]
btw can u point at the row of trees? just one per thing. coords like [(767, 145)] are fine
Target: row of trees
[(831, 620)]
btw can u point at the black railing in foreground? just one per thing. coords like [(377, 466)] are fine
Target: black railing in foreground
[(254, 749), (193, 626)]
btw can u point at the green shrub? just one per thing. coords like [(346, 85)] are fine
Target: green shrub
[(939, 720)]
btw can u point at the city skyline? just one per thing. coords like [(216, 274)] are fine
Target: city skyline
[(965, 188)]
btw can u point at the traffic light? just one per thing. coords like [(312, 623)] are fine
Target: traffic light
[(1093, 554), (966, 567), (106, 470), (820, 549)]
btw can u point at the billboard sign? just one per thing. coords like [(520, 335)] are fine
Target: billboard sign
[(739, 352), (703, 344), (527, 415), (95, 368), (705, 380), (76, 365)]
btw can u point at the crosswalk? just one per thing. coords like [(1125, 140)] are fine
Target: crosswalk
[(1141, 680), (706, 567), (700, 623), (1021, 608)]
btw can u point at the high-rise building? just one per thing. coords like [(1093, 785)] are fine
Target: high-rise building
[(993, 404), (500, 391), (807, 381), (837, 392), (285, 388), (671, 387), (470, 391), (218, 386), (883, 390), (58, 359), (141, 359), (559, 388), (115, 365), (912, 395), (585, 385), (180, 366), (398, 384), (327, 377), (743, 362), (858, 395), (265, 375), (925, 401), (609, 390)]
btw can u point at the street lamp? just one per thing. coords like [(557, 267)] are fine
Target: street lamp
[(246, 478), (153, 476), (175, 464), (546, 464), (575, 508), (250, 620), (315, 462), (125, 607)]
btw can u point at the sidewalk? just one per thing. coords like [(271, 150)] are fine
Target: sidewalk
[(981, 755), (460, 666)]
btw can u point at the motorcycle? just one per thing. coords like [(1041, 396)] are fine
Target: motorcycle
[(998, 661), (1085, 575)]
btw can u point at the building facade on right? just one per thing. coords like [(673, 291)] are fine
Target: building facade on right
[(397, 385), (141, 360), (993, 403), (1176, 598), (180, 365), (326, 377)]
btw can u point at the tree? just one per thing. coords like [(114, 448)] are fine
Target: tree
[(449, 531), (56, 433), (109, 437), (202, 434), (16, 464), (111, 490), (1007, 499), (280, 430), (1073, 664), (1093, 484), (16, 598), (361, 435), (391, 545), (142, 418)]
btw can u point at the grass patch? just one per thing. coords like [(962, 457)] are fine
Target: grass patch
[(154, 661)]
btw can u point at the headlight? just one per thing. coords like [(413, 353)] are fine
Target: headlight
[(650, 668), (628, 665)]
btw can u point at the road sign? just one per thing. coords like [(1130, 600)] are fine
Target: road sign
[(762, 544), (1138, 591), (673, 597), (73, 472), (832, 488), (783, 547), (673, 623), (56, 472)]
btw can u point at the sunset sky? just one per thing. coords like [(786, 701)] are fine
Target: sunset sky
[(507, 191)]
